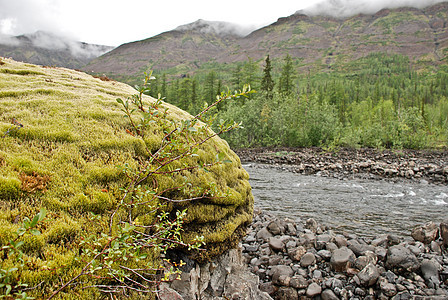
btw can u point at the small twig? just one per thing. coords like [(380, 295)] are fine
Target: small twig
[(34, 287), (15, 126), (82, 271)]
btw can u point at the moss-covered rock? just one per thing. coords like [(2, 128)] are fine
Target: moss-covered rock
[(62, 134)]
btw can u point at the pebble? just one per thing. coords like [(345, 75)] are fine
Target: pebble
[(307, 260)]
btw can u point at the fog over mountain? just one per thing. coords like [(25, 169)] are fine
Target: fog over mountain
[(217, 27), (347, 8), (51, 41)]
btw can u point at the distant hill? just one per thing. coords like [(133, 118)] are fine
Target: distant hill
[(314, 42), (44, 48)]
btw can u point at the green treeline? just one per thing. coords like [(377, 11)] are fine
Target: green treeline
[(379, 101)]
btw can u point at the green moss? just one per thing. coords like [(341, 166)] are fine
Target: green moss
[(20, 72), (7, 229), (74, 133), (34, 245), (36, 92), (96, 201), (103, 174), (62, 231), (9, 188)]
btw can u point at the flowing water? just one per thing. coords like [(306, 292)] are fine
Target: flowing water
[(364, 207)]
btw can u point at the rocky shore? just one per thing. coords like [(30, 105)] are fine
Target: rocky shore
[(300, 259), (430, 166), (283, 258)]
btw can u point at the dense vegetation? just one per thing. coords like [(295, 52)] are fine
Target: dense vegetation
[(94, 189), (381, 101)]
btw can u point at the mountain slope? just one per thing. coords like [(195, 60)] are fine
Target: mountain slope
[(419, 34), (182, 49), (44, 48), (315, 41)]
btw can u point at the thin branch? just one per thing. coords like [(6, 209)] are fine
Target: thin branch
[(138, 274), (82, 271)]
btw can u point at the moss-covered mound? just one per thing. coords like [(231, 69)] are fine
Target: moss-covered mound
[(62, 134)]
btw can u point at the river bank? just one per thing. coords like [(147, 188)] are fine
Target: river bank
[(301, 259), (395, 165)]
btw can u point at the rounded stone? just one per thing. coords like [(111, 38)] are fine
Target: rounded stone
[(263, 234), (444, 232), (329, 295), (313, 290), (430, 273), (287, 293), (276, 244), (341, 259), (307, 260), (369, 275), (399, 257), (425, 233), (274, 228), (280, 270), (297, 253), (298, 282)]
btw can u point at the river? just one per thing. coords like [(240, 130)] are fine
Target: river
[(364, 207)]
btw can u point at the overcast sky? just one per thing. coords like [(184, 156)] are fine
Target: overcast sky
[(112, 22)]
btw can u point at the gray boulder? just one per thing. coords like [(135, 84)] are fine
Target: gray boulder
[(369, 275), (444, 232), (276, 244), (387, 288), (425, 233), (430, 273), (275, 228), (280, 270), (358, 248), (313, 290), (286, 293), (329, 295), (307, 260), (263, 234), (401, 258), (298, 282), (342, 259)]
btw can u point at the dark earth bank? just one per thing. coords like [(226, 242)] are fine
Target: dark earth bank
[(395, 165)]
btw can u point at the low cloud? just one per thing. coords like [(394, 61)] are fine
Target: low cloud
[(347, 8), (8, 40), (47, 40), (218, 28)]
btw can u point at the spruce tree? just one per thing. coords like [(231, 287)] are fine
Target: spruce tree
[(285, 85), (267, 84), (210, 88), (164, 87)]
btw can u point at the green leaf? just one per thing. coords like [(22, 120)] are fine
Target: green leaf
[(35, 220), (120, 101), (35, 232), (26, 222), (21, 231), (42, 214), (8, 289), (128, 227)]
